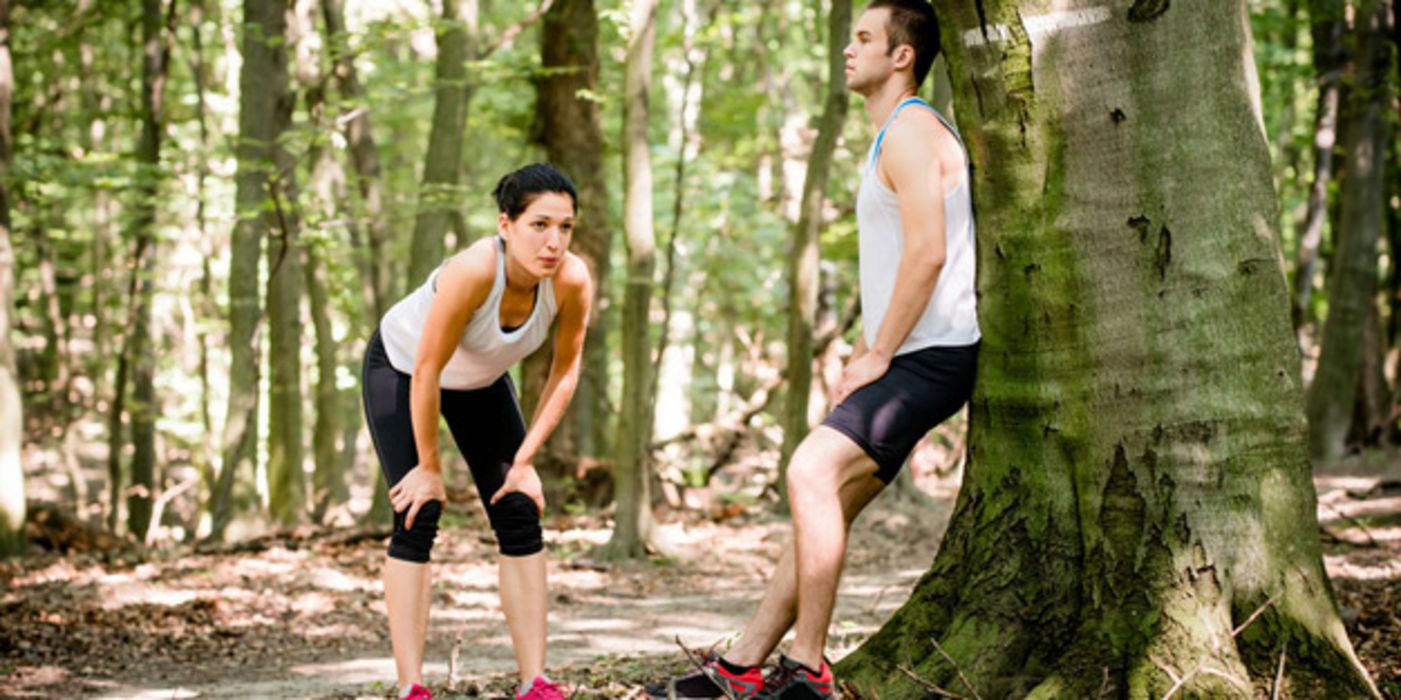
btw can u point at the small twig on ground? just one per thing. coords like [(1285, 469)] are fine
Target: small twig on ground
[(1371, 541), (928, 685), (1279, 673), (158, 509), (961, 677), (454, 669), (1249, 620), (1104, 685)]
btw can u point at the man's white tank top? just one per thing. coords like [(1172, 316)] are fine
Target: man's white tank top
[(950, 317), (485, 352)]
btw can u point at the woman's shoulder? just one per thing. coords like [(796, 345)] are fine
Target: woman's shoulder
[(573, 275), (469, 274)]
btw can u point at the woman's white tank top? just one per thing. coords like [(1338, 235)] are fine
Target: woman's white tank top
[(485, 352)]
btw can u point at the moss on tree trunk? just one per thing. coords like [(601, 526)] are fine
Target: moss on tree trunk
[(1138, 487)]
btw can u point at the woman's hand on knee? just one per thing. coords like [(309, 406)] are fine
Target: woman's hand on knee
[(420, 486), (522, 478)]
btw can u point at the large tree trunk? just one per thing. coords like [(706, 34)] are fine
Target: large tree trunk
[(633, 524), (804, 272), (156, 54), (11, 426), (1353, 274), (569, 128), (440, 196), (1129, 267), (265, 110)]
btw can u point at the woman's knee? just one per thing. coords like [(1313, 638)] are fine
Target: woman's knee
[(415, 544), (516, 522)]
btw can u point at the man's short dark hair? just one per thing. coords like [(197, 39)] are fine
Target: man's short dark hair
[(912, 23)]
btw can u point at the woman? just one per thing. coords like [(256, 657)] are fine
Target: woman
[(444, 350)]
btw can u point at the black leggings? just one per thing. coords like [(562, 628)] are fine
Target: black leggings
[(486, 424)]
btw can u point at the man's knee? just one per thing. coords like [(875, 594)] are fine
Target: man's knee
[(517, 525), (811, 473), (415, 544)]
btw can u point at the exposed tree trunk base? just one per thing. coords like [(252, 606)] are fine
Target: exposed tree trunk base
[(1017, 634)]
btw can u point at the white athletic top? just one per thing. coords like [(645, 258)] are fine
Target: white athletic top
[(950, 317), (485, 352)]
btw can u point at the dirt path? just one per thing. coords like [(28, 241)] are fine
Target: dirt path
[(306, 621), (296, 623)]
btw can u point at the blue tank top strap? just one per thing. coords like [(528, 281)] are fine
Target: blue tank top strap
[(880, 136)]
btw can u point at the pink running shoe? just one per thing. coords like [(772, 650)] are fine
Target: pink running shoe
[(542, 689), (418, 692)]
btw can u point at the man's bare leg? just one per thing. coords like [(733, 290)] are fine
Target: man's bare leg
[(779, 607), (824, 465)]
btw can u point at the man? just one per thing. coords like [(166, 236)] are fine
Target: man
[(912, 368)]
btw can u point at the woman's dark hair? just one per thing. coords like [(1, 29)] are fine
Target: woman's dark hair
[(912, 23), (518, 188)]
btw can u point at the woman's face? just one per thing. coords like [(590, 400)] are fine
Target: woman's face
[(539, 237)]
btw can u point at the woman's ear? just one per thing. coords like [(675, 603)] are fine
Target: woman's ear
[(503, 225)]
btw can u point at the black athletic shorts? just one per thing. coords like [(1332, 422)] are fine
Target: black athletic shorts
[(487, 426), (919, 391)]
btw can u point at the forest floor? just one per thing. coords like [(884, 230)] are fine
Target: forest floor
[(301, 615)]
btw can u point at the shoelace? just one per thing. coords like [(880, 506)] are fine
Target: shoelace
[(777, 677)]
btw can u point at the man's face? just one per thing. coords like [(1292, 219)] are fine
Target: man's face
[(868, 59)]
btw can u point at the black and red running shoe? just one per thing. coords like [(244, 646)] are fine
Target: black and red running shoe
[(794, 681), (711, 679)]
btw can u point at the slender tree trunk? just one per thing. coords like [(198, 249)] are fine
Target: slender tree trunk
[(1124, 273), (568, 126), (55, 365), (207, 305), (265, 109), (804, 263), (1326, 20), (326, 477), (155, 59), (634, 525), (440, 195), (12, 511), (1372, 405), (287, 503), (372, 258), (326, 184), (1353, 274)]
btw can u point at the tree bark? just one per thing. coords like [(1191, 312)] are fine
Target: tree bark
[(1326, 21), (265, 109), (633, 526), (804, 263), (155, 59), (373, 258), (287, 504), (568, 126), (12, 505), (1128, 252), (440, 196), (327, 193), (1353, 273)]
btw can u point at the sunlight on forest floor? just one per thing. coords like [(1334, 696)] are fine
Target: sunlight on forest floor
[(305, 617)]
